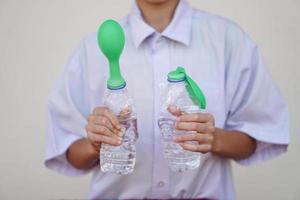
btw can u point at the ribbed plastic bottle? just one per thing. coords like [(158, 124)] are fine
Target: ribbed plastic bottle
[(117, 159), (121, 159), (181, 93)]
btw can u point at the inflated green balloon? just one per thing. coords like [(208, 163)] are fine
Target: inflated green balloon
[(111, 41)]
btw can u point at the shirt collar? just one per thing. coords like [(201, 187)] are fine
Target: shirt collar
[(178, 30)]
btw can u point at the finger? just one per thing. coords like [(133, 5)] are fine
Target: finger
[(196, 117), (190, 126), (174, 110), (195, 126), (200, 138), (104, 139), (126, 112), (203, 148), (108, 113), (113, 119), (102, 120), (102, 130)]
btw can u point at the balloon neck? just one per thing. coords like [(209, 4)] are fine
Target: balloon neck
[(115, 81)]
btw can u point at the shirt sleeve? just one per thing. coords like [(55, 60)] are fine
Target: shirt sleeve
[(67, 112), (254, 103)]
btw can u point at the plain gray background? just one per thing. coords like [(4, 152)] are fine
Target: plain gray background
[(38, 36)]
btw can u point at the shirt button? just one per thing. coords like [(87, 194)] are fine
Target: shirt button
[(161, 184)]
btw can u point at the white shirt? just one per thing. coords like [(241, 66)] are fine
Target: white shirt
[(218, 55)]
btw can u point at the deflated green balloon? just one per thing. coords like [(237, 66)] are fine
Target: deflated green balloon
[(193, 89)]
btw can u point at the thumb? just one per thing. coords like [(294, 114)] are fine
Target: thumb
[(174, 110)]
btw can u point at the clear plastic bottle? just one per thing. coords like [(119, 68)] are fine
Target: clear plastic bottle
[(120, 159), (117, 159), (176, 95)]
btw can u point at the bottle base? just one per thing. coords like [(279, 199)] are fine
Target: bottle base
[(180, 160), (183, 167), (120, 170), (119, 160)]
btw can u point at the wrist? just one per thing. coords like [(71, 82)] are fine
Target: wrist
[(217, 142), (93, 151), (82, 155)]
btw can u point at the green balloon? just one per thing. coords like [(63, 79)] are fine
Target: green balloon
[(111, 41), (193, 89)]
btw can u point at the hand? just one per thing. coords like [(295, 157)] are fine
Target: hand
[(200, 128), (103, 127)]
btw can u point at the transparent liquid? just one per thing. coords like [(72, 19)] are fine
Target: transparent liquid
[(121, 159), (179, 160)]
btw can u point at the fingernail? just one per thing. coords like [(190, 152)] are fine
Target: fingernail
[(120, 133), (176, 125), (120, 139), (175, 138)]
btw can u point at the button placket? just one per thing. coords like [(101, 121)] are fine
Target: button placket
[(160, 69), (161, 184)]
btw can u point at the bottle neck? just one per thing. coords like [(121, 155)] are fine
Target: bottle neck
[(177, 83), (115, 78), (124, 89), (185, 103)]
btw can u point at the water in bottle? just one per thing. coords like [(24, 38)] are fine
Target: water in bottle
[(121, 159)]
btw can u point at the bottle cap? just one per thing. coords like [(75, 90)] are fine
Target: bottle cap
[(176, 76), (193, 89), (111, 41)]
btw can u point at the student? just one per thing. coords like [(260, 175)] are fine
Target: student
[(246, 118)]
